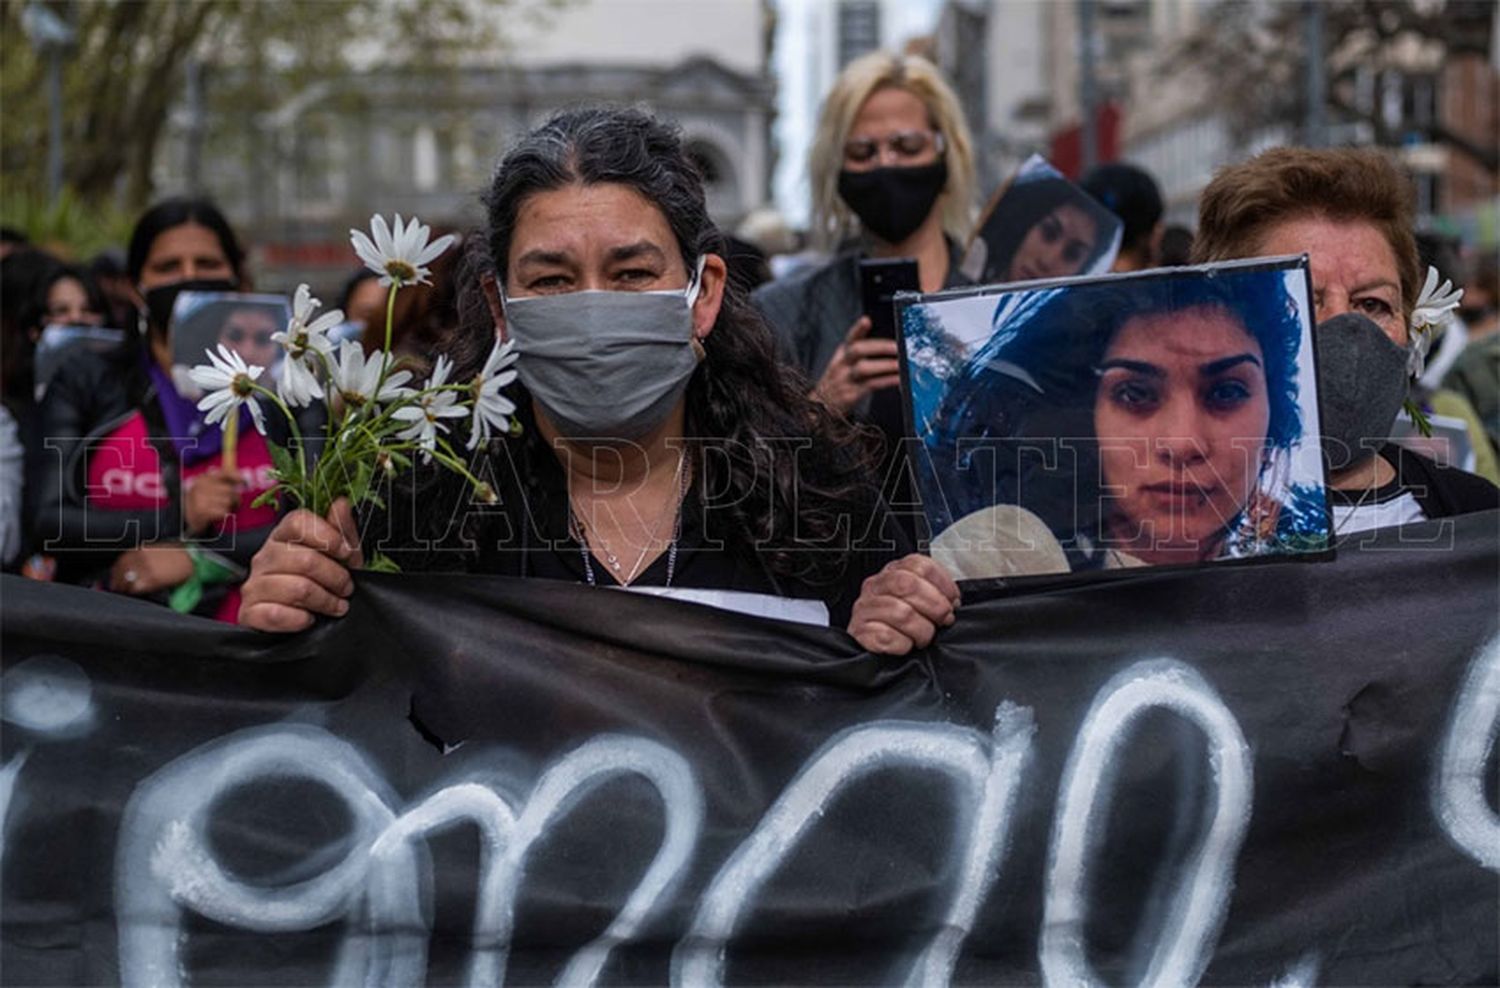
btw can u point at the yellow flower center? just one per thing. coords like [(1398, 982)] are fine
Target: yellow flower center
[(400, 271), (241, 386)]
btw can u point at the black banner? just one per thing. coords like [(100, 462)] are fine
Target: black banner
[(1269, 773)]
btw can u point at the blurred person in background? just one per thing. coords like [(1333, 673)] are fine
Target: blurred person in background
[(767, 229), (1475, 374), (136, 497), (63, 295), (1176, 247), (1450, 338), (21, 271), (1452, 335), (107, 268), (363, 300), (892, 175), (59, 294), (1351, 211), (1132, 194), (11, 240), (749, 268)]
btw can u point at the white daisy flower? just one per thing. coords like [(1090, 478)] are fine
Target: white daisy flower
[(398, 255), (491, 408), (227, 381), (430, 408), (1432, 308), (303, 337), (355, 377)]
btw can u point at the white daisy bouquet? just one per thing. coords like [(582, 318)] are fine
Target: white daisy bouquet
[(377, 420)]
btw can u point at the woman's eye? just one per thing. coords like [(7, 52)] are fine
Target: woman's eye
[(545, 282), (1374, 306), (1135, 396), (636, 275), (1073, 252), (1227, 394), (1051, 229)]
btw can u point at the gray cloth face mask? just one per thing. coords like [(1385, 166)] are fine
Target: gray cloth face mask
[(1361, 386), (605, 365)]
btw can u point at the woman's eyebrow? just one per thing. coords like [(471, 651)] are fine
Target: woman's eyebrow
[(1224, 363), (1372, 285), (631, 252), (1138, 366), (543, 257)]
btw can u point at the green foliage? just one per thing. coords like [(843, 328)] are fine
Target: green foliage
[(67, 226), (128, 69)]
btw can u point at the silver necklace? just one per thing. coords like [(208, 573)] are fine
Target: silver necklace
[(579, 534)]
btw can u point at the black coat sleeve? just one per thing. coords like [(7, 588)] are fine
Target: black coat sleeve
[(84, 398)]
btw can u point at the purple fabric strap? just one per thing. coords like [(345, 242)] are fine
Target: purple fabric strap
[(194, 440)]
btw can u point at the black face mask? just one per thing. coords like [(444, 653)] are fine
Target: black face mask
[(1361, 384), (161, 299), (893, 202)]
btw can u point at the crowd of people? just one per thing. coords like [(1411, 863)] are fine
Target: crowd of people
[(688, 423)]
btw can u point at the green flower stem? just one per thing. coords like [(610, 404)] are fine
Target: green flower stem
[(328, 387), (390, 322), (452, 462), (390, 314), (291, 421)]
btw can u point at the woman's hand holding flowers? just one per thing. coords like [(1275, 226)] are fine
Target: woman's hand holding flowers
[(303, 570)]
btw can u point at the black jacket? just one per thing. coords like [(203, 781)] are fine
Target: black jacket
[(1440, 491), (430, 522), (91, 396)]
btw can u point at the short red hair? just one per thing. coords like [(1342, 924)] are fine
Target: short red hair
[(1244, 201)]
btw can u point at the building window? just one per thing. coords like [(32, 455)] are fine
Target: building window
[(424, 154), (859, 29)]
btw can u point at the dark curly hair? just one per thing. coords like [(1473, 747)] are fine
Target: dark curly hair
[(743, 406)]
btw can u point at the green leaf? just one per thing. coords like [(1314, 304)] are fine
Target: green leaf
[(1418, 418), (288, 469), (381, 563), (359, 490), (270, 496)]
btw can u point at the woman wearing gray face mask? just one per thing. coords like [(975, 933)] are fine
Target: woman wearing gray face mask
[(661, 444), (1350, 211)]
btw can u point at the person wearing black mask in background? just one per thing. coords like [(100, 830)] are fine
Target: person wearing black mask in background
[(136, 498), (1132, 194), (892, 175)]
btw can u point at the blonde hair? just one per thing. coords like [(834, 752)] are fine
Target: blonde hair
[(832, 221)]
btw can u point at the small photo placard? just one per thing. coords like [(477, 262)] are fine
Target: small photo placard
[(1040, 226), (1448, 444), (244, 323), (1161, 418), (59, 342)]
